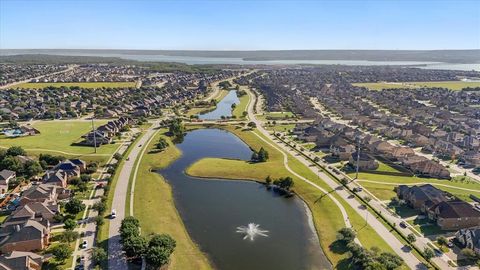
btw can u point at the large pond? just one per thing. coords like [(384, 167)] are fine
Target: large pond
[(224, 107), (213, 209)]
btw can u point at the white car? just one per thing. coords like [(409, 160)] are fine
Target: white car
[(114, 214), (84, 244)]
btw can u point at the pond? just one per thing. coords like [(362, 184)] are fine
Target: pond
[(224, 107), (213, 209)]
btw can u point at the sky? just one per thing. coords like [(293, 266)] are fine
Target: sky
[(239, 25)]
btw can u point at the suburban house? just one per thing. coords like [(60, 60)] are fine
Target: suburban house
[(342, 152), (418, 196), (29, 236), (58, 178), (365, 163), (5, 177), (454, 215), (446, 210), (21, 260), (469, 238), (44, 193), (104, 134)]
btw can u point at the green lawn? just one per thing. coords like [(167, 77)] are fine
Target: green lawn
[(79, 84), (242, 107), (275, 116), (391, 177), (324, 211), (155, 194), (453, 85), (56, 137)]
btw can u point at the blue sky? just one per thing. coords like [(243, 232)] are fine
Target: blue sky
[(240, 25)]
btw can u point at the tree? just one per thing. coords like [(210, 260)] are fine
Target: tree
[(99, 220), (244, 114), (268, 180), (411, 238), (11, 163), (428, 253), (442, 241), (346, 235), (32, 168), (85, 178), (69, 224), (98, 255), (252, 125), (176, 128), (285, 183), (262, 155), (92, 167), (135, 246), (68, 236), (74, 206), (62, 252), (117, 156), (16, 151), (129, 227), (162, 144), (160, 247), (157, 256), (82, 186), (100, 207)]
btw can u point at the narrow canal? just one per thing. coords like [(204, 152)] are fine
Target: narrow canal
[(213, 209), (224, 107)]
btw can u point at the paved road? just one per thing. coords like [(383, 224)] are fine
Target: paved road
[(410, 260), (116, 260)]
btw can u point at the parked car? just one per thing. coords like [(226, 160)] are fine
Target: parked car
[(84, 244), (403, 224), (114, 214)]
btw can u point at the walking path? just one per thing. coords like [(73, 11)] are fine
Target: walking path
[(116, 260), (409, 259)]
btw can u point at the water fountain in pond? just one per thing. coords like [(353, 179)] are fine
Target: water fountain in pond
[(251, 231)]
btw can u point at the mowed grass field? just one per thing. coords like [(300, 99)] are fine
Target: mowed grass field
[(57, 136), (382, 182), (453, 85), (154, 207), (324, 211), (79, 84)]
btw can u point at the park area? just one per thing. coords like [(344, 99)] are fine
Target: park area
[(79, 84), (59, 137), (453, 85)]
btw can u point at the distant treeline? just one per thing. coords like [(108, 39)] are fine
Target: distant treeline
[(448, 56), (67, 59)]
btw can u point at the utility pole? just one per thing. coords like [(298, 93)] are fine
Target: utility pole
[(358, 157), (94, 136)]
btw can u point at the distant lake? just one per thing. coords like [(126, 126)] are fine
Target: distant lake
[(191, 60)]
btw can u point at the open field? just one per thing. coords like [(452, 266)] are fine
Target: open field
[(453, 85), (79, 84), (242, 107), (324, 211), (385, 178), (154, 193), (267, 116), (56, 137)]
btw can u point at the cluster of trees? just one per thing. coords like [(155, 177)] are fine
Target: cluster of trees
[(260, 156), (241, 93), (162, 144), (156, 251), (225, 85), (362, 258), (284, 183), (176, 129), (9, 160)]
